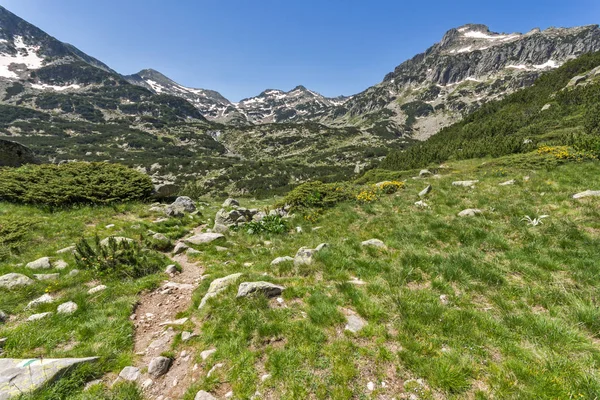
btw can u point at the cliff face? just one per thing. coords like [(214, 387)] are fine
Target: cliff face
[(14, 155)]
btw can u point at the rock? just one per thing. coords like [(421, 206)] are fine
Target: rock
[(370, 386), (61, 264), (13, 154), (217, 286), (67, 308), (177, 322), (36, 317), (354, 323), (231, 203), (425, 191), (444, 299), (220, 228), (202, 395), (265, 377), (192, 252), (304, 256), (576, 80), (424, 173), (146, 384), (298, 229), (470, 212), (46, 277), (159, 366), (110, 226), (43, 299), (40, 263), (374, 243), (587, 193), (97, 289), (70, 249), (421, 204), (22, 376), (171, 269), (207, 353), (268, 289), (130, 374), (118, 239), (465, 183), (175, 212), (321, 246), (213, 369), (185, 336), (204, 238), (3, 317), (221, 248), (73, 272), (280, 260), (507, 183), (165, 190), (185, 203), (180, 248), (160, 237), (546, 107), (13, 280)]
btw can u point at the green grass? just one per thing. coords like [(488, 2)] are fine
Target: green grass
[(521, 318)]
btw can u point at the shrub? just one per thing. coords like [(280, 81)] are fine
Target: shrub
[(389, 187), (318, 195), (73, 183), (269, 224), (118, 259), (12, 233), (565, 153), (366, 196)]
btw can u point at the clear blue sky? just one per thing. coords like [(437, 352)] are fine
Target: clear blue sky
[(241, 47)]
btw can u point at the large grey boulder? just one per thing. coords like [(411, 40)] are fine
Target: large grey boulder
[(40, 263), (204, 238), (13, 154), (266, 288), (217, 286), (130, 374), (67, 308), (587, 193), (13, 280), (22, 376), (159, 366), (180, 206)]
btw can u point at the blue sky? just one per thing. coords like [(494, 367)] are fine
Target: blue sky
[(241, 47)]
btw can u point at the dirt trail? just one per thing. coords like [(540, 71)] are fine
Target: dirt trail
[(155, 319)]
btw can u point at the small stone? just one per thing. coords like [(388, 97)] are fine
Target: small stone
[(370, 386), (356, 281), (204, 238), (470, 212), (265, 377), (36, 317), (421, 204), (159, 366), (160, 237), (61, 264), (354, 323), (130, 374), (70, 249), (67, 308), (213, 369), (46, 277), (207, 353), (171, 269), (185, 336), (180, 248), (374, 243), (304, 256), (321, 246), (73, 272), (298, 229), (444, 299), (118, 239), (425, 191), (229, 394), (587, 193), (109, 226), (177, 322), (40, 263), (268, 289), (280, 260), (97, 289), (147, 383), (221, 249), (192, 252), (248, 264), (465, 183), (202, 395), (3, 316), (13, 280), (424, 173), (507, 183), (231, 203), (44, 299)]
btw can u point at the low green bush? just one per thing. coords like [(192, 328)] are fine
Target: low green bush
[(118, 259), (318, 195), (73, 183), (12, 234), (269, 224)]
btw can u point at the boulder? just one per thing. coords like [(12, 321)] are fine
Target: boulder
[(424, 173), (231, 203), (13, 154), (40, 263), (97, 289), (37, 317), (67, 308), (587, 193), (304, 256), (374, 243), (425, 191), (184, 202), (354, 323), (118, 239), (207, 353), (217, 286), (576, 80), (268, 289), (470, 212), (280, 260), (180, 248), (202, 395), (130, 374), (13, 280), (465, 183), (220, 228), (23, 376), (43, 299), (61, 264), (171, 269), (159, 366), (160, 237), (204, 238), (165, 190)]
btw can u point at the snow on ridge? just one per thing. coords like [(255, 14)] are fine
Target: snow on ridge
[(57, 88), (481, 35), (547, 64), (158, 88), (26, 55)]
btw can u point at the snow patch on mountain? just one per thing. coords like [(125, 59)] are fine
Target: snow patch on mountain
[(26, 55)]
